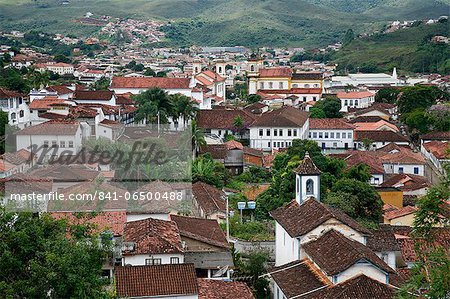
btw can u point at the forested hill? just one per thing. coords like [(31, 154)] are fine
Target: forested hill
[(411, 50), (306, 23)]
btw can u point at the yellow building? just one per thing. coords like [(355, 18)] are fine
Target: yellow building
[(391, 196)]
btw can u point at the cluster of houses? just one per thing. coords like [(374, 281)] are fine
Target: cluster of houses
[(162, 250)]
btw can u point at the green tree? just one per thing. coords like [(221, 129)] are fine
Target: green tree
[(149, 72), (255, 265), (253, 98), (183, 107), (387, 95), (238, 123), (205, 169), (45, 258), (330, 106), (154, 104), (431, 271), (420, 97), (316, 112), (368, 204), (348, 37), (198, 136), (360, 172), (101, 84), (3, 124)]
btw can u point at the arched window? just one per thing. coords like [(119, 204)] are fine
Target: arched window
[(13, 115), (21, 113), (252, 68), (306, 85), (309, 186)]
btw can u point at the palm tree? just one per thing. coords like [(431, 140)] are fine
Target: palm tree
[(153, 104), (184, 107), (198, 137)]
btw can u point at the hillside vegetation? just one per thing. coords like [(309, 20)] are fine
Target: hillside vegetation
[(225, 22), (409, 50)]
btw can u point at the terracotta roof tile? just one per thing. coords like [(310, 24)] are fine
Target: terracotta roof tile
[(383, 239), (381, 136), (438, 148), (298, 278), (209, 198), (307, 167), (275, 72), (359, 287), (329, 123), (283, 117), (354, 94), (222, 118), (201, 229), (153, 236), (400, 212), (436, 136), (220, 289), (156, 281), (45, 103), (298, 219), (334, 253), (150, 82), (52, 127), (111, 220), (96, 95)]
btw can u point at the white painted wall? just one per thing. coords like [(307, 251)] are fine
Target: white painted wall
[(286, 248), (269, 141), (367, 269), (330, 139), (407, 168), (139, 259)]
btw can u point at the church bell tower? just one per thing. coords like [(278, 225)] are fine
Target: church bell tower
[(307, 180)]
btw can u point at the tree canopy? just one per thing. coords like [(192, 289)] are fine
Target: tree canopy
[(41, 257)]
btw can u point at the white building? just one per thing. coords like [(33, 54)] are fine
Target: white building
[(278, 128), (59, 68), (320, 249), (356, 99), (51, 139), (152, 242), (331, 133), (14, 104)]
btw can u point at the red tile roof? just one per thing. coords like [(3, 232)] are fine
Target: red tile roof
[(6, 94), (275, 72), (400, 212), (330, 124), (220, 289), (52, 127), (359, 287), (380, 136), (45, 103), (201, 229), (222, 118), (354, 94), (153, 236), (209, 198), (284, 117), (150, 82), (334, 253), (156, 281), (60, 89), (96, 95), (298, 219), (233, 144), (406, 182), (298, 278), (436, 136), (439, 149), (112, 221)]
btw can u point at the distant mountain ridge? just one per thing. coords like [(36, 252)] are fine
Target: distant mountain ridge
[(226, 22)]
